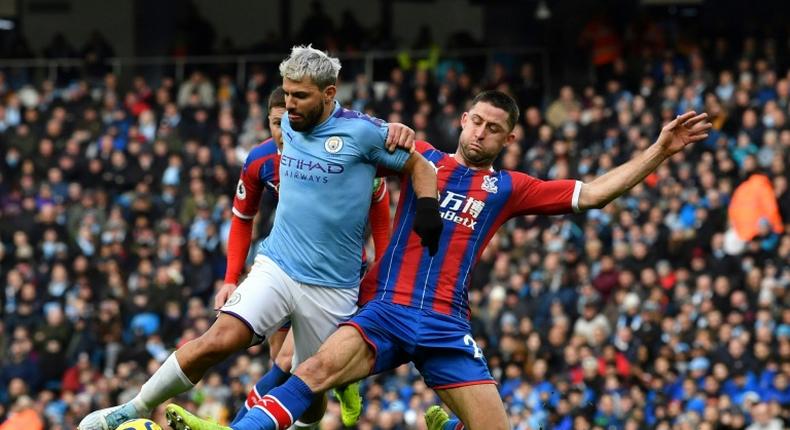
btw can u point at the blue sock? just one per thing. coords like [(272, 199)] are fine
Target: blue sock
[(254, 419), (271, 379), (280, 408), (453, 424)]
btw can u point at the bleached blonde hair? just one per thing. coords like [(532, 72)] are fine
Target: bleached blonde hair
[(308, 62)]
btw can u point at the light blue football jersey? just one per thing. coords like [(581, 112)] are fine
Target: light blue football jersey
[(326, 180)]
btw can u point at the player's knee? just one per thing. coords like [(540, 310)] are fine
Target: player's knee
[(216, 344), (209, 346)]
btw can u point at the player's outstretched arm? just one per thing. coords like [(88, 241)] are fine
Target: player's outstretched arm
[(427, 221), (678, 133)]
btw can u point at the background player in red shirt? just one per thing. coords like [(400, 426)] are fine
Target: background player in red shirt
[(417, 306), (260, 172)]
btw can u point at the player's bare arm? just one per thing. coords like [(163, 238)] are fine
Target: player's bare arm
[(423, 175), (683, 130)]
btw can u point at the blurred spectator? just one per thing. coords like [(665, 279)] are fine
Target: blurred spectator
[(762, 418), (196, 92)]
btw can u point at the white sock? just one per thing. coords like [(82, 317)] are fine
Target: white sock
[(312, 426), (167, 382)]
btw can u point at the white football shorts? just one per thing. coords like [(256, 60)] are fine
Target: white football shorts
[(268, 297)]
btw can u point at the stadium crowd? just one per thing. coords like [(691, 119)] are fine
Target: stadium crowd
[(667, 309)]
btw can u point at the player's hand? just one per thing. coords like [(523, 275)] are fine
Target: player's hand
[(428, 223), (683, 130), (400, 136), (223, 295)]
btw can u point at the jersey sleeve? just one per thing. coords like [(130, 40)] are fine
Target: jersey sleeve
[(250, 187), (375, 150), (421, 147), (379, 217), (238, 248), (424, 148), (532, 196)]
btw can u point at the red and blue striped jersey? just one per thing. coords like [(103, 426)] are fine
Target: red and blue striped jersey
[(261, 170), (473, 205)]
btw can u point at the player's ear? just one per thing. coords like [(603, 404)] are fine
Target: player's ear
[(464, 117), (329, 93), (511, 137)]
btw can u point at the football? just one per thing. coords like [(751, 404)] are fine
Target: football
[(139, 424)]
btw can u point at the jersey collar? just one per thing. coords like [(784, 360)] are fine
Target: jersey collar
[(471, 169)]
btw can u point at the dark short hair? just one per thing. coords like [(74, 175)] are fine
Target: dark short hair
[(502, 101), (277, 98)]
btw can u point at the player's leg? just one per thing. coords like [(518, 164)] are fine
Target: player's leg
[(281, 347), (343, 358), (178, 373), (478, 406), (226, 336), (452, 364), (262, 304), (259, 305), (370, 342)]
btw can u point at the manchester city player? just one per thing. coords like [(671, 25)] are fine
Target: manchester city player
[(417, 306), (307, 270), (261, 172)]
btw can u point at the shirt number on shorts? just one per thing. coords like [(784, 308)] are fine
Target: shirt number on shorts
[(469, 341)]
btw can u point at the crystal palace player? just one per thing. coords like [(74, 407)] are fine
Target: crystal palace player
[(417, 307)]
